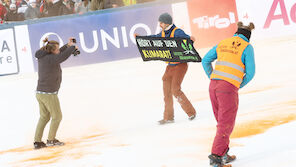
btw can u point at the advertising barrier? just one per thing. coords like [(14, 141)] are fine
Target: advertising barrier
[(102, 37), (8, 57), (212, 20), (272, 18), (107, 35)]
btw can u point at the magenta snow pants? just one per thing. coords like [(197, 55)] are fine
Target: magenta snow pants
[(224, 98)]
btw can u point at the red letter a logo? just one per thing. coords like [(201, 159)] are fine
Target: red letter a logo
[(271, 15)]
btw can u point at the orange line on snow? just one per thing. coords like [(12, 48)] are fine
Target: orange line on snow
[(17, 150), (260, 126), (73, 150), (276, 115)]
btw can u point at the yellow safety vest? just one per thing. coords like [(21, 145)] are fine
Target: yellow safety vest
[(229, 65), (129, 2), (171, 36)]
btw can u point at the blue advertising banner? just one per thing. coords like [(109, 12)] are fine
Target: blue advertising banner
[(100, 37)]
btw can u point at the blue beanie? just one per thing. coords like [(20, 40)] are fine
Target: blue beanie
[(166, 18)]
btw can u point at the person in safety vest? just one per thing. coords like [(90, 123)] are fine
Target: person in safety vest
[(235, 67), (174, 74)]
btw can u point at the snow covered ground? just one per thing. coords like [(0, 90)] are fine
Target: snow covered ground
[(110, 114)]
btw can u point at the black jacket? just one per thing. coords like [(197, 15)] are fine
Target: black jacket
[(12, 16), (50, 9), (49, 69), (109, 3), (32, 13), (64, 10)]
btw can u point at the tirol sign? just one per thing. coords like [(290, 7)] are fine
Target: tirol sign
[(283, 15), (167, 49), (211, 20), (8, 58), (206, 22)]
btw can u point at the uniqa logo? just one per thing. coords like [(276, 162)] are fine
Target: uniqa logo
[(187, 47), (119, 37), (47, 35)]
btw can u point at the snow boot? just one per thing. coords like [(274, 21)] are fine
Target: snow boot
[(54, 142), (163, 121), (38, 145), (228, 158), (217, 161), (192, 117)]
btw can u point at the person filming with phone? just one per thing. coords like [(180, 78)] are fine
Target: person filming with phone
[(49, 57)]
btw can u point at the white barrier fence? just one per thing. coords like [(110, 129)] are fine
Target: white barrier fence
[(272, 18)]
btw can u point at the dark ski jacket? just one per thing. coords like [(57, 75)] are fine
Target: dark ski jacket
[(49, 69)]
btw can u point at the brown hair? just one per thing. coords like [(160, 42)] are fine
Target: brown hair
[(49, 46), (250, 27)]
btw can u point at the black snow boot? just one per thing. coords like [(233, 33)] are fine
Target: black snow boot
[(228, 158), (38, 145), (216, 161), (192, 117)]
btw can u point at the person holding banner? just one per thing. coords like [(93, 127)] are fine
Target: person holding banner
[(235, 68), (174, 74), (50, 56)]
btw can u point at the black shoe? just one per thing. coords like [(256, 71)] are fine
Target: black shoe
[(163, 121), (192, 117), (38, 145), (54, 142)]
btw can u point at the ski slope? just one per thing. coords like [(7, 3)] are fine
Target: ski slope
[(110, 114)]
